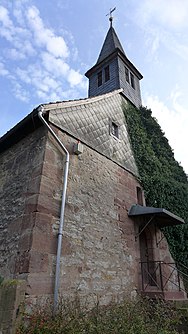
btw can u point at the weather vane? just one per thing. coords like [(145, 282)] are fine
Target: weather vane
[(110, 15)]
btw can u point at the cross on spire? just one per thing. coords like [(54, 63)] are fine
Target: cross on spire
[(110, 15)]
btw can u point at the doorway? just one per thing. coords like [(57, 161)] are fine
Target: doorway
[(148, 264)]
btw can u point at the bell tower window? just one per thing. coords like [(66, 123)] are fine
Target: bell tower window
[(107, 73), (99, 78), (132, 80), (127, 74)]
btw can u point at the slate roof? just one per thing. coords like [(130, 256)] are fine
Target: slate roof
[(110, 44), (89, 121)]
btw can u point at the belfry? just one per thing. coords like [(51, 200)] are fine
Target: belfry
[(113, 70)]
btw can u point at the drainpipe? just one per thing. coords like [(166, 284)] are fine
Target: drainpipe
[(60, 233)]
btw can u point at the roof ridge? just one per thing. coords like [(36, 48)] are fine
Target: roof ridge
[(54, 105)]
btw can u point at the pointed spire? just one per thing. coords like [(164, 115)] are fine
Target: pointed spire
[(110, 44)]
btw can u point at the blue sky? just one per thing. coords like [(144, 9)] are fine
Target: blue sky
[(47, 46)]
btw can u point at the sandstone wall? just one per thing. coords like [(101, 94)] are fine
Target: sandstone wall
[(20, 171), (100, 255)]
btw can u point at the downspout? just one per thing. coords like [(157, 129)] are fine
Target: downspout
[(60, 233)]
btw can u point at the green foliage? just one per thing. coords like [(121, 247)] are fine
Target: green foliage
[(9, 282), (139, 317), (163, 179), (1, 280)]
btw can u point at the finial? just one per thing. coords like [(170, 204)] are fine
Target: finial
[(110, 15)]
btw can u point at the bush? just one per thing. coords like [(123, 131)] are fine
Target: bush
[(1, 279), (138, 317)]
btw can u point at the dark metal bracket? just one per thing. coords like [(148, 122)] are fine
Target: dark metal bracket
[(158, 242), (136, 236)]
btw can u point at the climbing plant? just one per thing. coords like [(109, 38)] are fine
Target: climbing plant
[(162, 177)]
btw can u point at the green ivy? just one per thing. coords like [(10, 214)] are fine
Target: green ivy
[(163, 179)]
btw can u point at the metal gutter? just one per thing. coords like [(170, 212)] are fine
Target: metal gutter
[(61, 224)]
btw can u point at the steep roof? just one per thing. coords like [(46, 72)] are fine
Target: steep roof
[(88, 120), (110, 44), (110, 49)]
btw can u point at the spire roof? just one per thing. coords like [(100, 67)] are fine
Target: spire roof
[(110, 44)]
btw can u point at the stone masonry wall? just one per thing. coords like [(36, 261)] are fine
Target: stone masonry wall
[(12, 295), (19, 183), (99, 255)]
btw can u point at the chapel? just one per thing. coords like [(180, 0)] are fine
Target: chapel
[(74, 218)]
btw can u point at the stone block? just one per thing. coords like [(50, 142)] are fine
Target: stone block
[(49, 156), (39, 285), (53, 172), (31, 203), (39, 262), (44, 222), (25, 241), (34, 186), (44, 242), (28, 222), (122, 215), (48, 205), (22, 263)]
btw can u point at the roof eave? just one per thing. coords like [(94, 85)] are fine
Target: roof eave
[(27, 125), (119, 53)]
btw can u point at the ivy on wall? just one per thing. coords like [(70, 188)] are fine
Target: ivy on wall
[(163, 179)]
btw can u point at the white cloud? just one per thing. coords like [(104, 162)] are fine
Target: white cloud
[(162, 21), (61, 69), (4, 17), (20, 92), (173, 122), (38, 53), (6, 25), (169, 13), (3, 70), (45, 37), (23, 75), (74, 78), (54, 65), (14, 54)]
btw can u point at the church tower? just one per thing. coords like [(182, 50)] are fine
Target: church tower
[(113, 70)]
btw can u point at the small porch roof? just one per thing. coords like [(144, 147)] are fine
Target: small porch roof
[(161, 217)]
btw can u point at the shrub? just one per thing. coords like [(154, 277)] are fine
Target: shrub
[(138, 317), (1, 280)]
